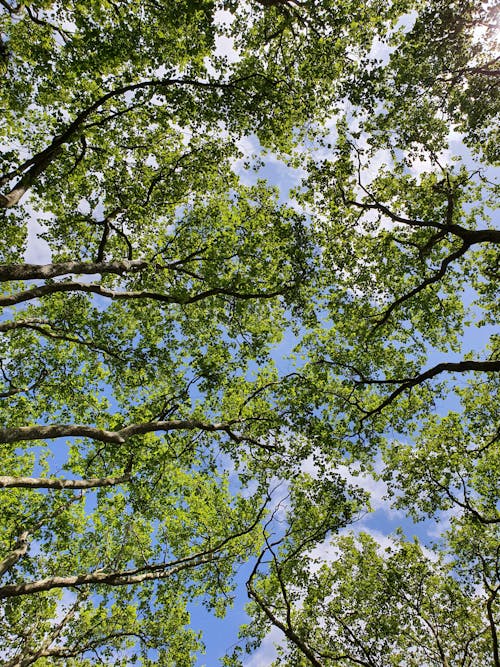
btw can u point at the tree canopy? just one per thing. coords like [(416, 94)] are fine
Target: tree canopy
[(154, 442)]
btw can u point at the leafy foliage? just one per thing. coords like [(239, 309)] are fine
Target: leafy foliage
[(152, 442)]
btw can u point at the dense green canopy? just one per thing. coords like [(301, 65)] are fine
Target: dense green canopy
[(152, 439)]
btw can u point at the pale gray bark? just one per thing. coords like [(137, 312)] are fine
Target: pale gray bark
[(28, 657), (17, 553), (73, 286), (23, 540), (123, 578), (10, 482), (43, 271), (134, 576), (21, 433)]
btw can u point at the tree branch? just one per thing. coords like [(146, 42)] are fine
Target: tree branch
[(422, 286), (19, 390), (21, 433), (23, 541), (285, 629), (465, 504), (56, 334), (133, 576), (91, 288), (20, 549), (489, 366), (470, 236), (9, 482), (122, 578), (28, 656), (36, 165), (44, 271)]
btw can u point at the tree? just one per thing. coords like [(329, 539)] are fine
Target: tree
[(370, 607), (145, 424), (410, 269)]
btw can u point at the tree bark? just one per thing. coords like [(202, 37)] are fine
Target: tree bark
[(54, 288), (39, 162), (44, 271), (123, 578), (488, 366), (16, 554), (17, 434), (10, 482)]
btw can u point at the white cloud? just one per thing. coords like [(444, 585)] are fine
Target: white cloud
[(377, 488), (437, 528), (266, 652), (384, 540), (224, 47), (421, 165), (37, 250), (224, 44)]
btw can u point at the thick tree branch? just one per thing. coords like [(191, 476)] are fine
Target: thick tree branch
[(90, 288), (28, 656), (490, 366), (122, 578), (42, 161), (469, 236), (44, 271), (18, 434), (153, 572), (20, 549), (23, 541), (10, 482)]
